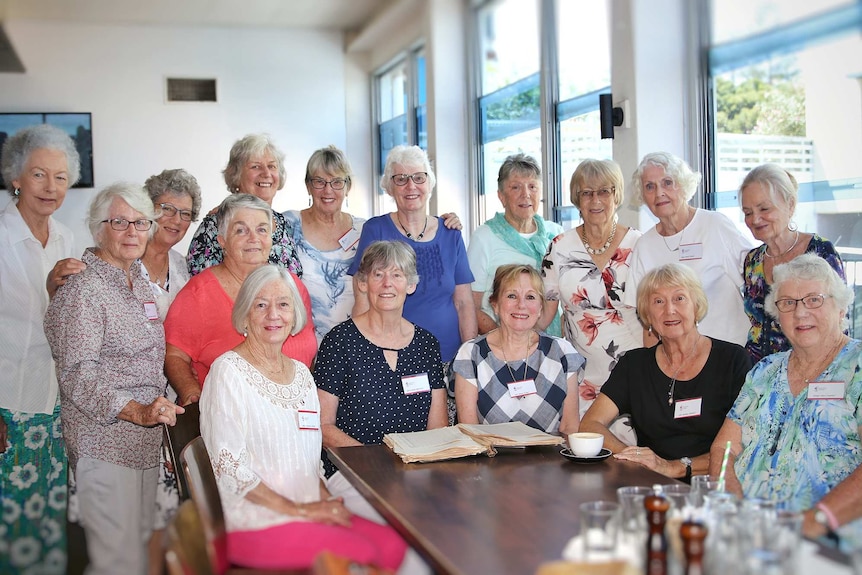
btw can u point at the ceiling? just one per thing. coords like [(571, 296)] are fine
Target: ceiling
[(345, 15)]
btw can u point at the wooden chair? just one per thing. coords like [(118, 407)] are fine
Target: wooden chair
[(177, 437), (185, 546)]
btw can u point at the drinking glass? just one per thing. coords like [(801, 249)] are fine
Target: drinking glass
[(700, 486), (599, 529), (773, 541), (632, 512), (678, 494)]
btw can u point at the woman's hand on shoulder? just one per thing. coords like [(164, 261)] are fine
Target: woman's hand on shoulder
[(330, 512), (61, 272), (451, 221)]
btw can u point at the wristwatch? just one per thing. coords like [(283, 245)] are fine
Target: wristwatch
[(822, 519), (687, 462)]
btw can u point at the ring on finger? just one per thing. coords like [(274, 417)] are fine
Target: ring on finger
[(162, 409)]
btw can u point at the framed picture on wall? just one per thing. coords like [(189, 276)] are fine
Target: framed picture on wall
[(77, 125)]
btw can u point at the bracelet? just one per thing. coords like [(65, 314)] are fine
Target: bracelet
[(830, 517), (300, 509)]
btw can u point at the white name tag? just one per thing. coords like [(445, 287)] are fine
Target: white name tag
[(308, 419), (416, 384), (522, 388), (151, 310), (348, 240), (826, 390), (690, 252), (687, 408)]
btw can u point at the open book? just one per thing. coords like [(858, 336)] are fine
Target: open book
[(465, 439)]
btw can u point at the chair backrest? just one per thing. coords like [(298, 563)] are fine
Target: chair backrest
[(185, 543), (177, 437), (204, 492)]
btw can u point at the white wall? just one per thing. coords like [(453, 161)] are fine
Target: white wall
[(289, 83)]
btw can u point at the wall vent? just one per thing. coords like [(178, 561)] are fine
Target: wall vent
[(191, 90)]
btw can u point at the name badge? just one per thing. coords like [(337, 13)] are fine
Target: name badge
[(826, 390), (151, 310), (416, 384), (687, 408), (521, 388), (308, 419), (349, 239), (690, 252)]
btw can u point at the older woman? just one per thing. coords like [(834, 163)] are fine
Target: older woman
[(326, 238), (768, 199), (255, 167), (586, 271), (704, 240), (443, 301), (38, 164), (378, 362), (516, 373), (176, 197), (197, 328), (106, 338), (517, 236), (260, 420), (795, 428), (677, 392)]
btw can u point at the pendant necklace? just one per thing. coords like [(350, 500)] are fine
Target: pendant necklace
[(785, 252), (409, 235), (526, 357), (604, 248), (676, 373)]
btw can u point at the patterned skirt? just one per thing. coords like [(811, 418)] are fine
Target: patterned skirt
[(33, 494)]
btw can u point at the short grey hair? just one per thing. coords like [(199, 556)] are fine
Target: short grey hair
[(177, 183), (251, 288), (674, 167), (235, 202), (385, 254), (810, 267), (19, 146), (671, 275), (779, 182), (518, 164), (132, 194), (243, 150), (407, 156), (597, 171), (332, 161)]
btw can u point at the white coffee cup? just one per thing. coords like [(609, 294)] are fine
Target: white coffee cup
[(586, 444)]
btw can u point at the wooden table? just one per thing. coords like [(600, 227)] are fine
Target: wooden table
[(480, 515)]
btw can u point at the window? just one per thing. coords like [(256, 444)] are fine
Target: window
[(401, 111), (512, 36), (787, 90)]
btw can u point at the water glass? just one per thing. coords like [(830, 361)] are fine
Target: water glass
[(700, 486), (773, 541), (678, 494), (632, 512), (599, 529)]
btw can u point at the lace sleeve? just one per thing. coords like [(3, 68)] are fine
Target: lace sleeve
[(233, 473)]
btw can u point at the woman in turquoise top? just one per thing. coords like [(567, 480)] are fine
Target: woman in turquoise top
[(795, 427)]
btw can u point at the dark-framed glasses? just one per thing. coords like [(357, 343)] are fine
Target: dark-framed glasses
[(121, 224), (170, 210), (335, 183), (812, 301), (601, 193), (402, 179)]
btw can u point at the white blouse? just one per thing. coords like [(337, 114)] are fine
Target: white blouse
[(178, 277), (250, 426), (29, 379)]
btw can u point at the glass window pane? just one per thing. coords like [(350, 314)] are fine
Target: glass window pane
[(509, 42), (584, 47), (733, 19), (579, 140), (493, 154), (392, 86)]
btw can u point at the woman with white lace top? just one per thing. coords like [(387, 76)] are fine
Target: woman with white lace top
[(260, 421)]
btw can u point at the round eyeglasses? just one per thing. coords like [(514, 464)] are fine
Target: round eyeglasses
[(170, 210), (335, 183), (402, 179), (812, 301), (603, 193), (121, 224)]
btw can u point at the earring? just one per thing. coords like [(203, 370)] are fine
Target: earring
[(309, 200), (346, 202), (16, 193), (650, 330), (792, 226), (245, 332)]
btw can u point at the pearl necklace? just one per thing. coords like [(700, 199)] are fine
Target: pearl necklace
[(785, 252), (604, 248)]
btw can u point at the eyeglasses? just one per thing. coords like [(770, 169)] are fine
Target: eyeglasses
[(812, 301), (336, 183), (171, 210), (418, 178), (602, 194), (120, 224)]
